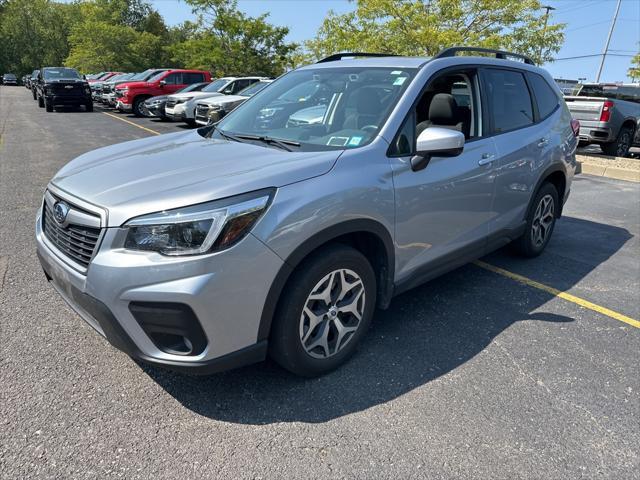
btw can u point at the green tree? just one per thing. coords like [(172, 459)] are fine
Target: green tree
[(424, 27), (634, 70), (33, 33), (226, 41), (125, 35)]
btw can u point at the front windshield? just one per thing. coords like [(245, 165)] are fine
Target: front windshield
[(59, 73), (322, 109), (216, 85), (253, 89)]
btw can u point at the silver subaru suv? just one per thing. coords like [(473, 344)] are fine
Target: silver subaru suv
[(213, 248)]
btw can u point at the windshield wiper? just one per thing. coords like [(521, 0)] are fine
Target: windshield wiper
[(283, 144), (226, 135)]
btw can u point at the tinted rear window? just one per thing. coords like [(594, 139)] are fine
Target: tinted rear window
[(546, 97), (509, 100), (628, 93)]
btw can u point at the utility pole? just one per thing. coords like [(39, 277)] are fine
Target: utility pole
[(606, 45), (547, 8)]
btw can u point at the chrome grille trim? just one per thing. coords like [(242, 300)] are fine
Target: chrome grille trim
[(77, 238)]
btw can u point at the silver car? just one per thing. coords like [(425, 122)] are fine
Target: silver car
[(209, 249)]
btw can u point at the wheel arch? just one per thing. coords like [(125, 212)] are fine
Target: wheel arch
[(557, 176), (368, 236)]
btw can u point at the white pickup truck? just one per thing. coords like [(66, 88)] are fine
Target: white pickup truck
[(609, 115)]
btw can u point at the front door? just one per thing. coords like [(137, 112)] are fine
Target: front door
[(443, 211)]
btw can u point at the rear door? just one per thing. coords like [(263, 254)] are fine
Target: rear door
[(524, 142)]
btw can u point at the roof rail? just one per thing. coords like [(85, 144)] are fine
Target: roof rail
[(451, 52), (340, 56)]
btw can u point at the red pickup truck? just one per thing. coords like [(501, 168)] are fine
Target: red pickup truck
[(130, 96)]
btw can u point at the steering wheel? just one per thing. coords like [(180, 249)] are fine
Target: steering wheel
[(370, 128)]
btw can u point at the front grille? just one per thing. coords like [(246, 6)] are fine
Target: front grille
[(106, 88), (171, 103), (78, 242), (61, 88), (202, 112)]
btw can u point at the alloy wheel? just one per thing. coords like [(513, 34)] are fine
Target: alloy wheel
[(332, 313), (543, 220)]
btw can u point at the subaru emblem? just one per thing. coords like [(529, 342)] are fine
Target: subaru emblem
[(60, 212)]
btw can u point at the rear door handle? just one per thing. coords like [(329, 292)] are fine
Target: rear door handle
[(542, 142), (486, 158)]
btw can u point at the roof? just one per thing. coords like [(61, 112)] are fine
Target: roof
[(391, 61)]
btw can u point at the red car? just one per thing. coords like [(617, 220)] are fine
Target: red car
[(131, 96)]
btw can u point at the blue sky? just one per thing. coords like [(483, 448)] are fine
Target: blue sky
[(587, 26)]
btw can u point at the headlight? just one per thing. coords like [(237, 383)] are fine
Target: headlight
[(183, 100), (199, 229), (214, 107)]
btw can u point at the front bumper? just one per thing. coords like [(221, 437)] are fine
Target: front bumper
[(71, 100), (153, 110), (215, 287), (123, 107), (177, 113)]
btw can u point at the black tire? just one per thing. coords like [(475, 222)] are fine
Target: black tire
[(286, 345), (89, 107), (137, 106), (33, 92), (620, 147), (529, 244), (47, 106), (191, 122), (41, 102)]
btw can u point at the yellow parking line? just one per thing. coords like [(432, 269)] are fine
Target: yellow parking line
[(132, 123), (558, 293)]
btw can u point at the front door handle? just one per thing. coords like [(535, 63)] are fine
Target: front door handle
[(542, 142), (486, 158)]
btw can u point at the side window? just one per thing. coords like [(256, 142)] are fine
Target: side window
[(240, 85), (192, 77), (173, 79), (546, 97), (509, 100), (404, 142)]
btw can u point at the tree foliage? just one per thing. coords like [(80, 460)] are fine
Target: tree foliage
[(634, 70), (226, 41), (424, 27)]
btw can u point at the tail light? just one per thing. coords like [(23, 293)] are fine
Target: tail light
[(605, 115), (575, 126)]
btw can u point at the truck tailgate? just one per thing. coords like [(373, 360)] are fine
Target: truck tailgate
[(582, 108)]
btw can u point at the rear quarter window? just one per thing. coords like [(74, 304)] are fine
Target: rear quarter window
[(546, 97)]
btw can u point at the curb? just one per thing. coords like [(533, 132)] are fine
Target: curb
[(609, 172)]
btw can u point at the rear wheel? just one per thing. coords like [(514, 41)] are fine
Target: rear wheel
[(325, 310), (620, 147), (540, 222)]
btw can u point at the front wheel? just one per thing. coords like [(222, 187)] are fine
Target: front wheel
[(326, 308), (540, 222), (34, 94), (41, 102), (48, 106), (89, 107), (137, 107)]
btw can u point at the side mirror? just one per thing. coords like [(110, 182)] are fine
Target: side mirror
[(84, 77), (439, 142), (162, 83), (228, 91)]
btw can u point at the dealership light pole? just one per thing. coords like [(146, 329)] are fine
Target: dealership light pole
[(547, 8), (606, 45)]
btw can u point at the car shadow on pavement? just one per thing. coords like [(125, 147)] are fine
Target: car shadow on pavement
[(426, 333)]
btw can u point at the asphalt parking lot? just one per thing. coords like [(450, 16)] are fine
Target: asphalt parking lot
[(476, 374)]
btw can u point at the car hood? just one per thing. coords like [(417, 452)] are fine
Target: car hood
[(222, 99), (180, 169), (195, 95)]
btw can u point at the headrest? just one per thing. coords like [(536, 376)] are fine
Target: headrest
[(443, 110)]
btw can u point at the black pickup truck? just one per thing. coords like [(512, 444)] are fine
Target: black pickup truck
[(62, 86)]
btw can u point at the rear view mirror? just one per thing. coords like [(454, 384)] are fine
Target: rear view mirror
[(436, 141)]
